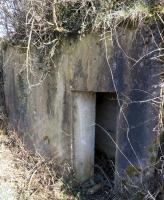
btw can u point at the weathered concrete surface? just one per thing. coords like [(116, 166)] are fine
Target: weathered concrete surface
[(50, 116), (84, 134), (89, 65), (44, 114), (137, 128)]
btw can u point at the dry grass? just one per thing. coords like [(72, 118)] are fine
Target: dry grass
[(24, 175)]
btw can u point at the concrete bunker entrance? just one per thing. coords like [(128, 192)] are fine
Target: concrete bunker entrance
[(105, 130), (95, 123)]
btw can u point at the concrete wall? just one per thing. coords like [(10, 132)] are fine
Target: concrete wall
[(44, 114), (137, 129), (48, 115)]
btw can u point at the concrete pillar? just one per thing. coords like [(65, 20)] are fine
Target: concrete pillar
[(84, 134)]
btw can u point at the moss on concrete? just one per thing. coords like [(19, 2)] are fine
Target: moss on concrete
[(132, 171)]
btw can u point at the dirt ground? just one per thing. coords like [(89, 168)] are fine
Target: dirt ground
[(24, 176)]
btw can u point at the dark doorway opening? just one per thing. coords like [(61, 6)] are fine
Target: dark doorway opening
[(105, 132), (106, 113)]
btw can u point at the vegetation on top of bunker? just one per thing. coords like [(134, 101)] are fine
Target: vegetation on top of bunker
[(43, 21)]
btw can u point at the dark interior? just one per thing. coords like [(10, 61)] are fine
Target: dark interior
[(106, 123)]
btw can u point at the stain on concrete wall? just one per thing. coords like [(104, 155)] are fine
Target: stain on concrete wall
[(138, 120)]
